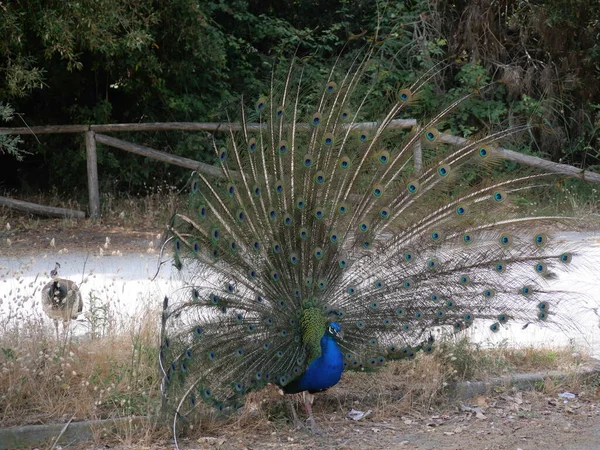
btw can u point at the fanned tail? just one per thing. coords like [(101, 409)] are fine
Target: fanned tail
[(317, 218)]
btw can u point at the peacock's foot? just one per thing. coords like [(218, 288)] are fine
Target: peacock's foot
[(297, 424), (314, 429), (317, 431)]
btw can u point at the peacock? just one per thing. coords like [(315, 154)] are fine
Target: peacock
[(61, 299), (327, 240)]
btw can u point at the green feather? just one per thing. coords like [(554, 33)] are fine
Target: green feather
[(314, 324)]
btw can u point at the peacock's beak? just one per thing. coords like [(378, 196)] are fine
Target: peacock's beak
[(339, 335)]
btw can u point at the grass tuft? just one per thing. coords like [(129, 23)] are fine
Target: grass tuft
[(44, 380)]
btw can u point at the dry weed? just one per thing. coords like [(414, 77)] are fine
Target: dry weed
[(115, 376), (45, 380)]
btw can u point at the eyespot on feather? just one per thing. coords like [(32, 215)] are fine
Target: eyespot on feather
[(540, 240), (413, 187), (345, 162), (252, 145), (320, 177), (444, 171), (405, 95), (261, 103), (484, 151), (499, 196), (383, 157), (316, 119), (282, 148), (431, 135), (308, 160)]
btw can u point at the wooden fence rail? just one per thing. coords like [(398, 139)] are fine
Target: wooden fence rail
[(92, 136), (34, 208), (396, 124)]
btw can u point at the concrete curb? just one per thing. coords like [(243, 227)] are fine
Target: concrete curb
[(44, 435), (40, 435), (524, 381)]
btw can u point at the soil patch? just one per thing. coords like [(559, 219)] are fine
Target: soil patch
[(26, 238), (501, 421)]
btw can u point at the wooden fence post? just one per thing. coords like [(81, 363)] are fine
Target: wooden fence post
[(92, 170), (417, 154)]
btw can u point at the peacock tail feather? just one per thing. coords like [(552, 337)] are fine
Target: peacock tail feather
[(315, 219)]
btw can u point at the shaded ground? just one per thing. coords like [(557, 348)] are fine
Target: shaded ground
[(27, 238)]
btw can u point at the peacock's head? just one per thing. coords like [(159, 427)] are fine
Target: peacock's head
[(335, 331), (54, 272)]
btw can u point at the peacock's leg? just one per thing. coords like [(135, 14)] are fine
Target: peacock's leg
[(56, 328), (308, 401), (291, 404)]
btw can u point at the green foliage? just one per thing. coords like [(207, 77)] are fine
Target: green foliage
[(9, 144), (485, 108), (8, 353), (548, 55), (110, 61)]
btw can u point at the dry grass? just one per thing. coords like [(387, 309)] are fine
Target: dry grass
[(116, 376), (44, 380), (155, 207)]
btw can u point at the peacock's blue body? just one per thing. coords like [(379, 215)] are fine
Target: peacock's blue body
[(324, 371), (312, 223)]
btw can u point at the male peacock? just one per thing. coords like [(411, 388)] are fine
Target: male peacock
[(61, 299), (316, 226)]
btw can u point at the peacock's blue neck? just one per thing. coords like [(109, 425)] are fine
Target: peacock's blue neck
[(329, 349)]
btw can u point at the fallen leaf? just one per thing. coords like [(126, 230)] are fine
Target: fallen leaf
[(355, 414)]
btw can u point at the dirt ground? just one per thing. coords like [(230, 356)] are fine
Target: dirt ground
[(502, 421), (27, 238)]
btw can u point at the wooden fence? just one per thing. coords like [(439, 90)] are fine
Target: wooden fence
[(93, 134)]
